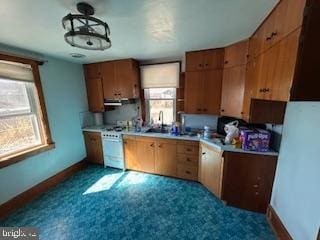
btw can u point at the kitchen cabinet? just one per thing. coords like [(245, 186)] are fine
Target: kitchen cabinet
[(236, 54), (174, 158), (204, 60), (211, 169), (120, 79), (233, 91), (248, 180), (166, 157), (203, 92), (93, 147)]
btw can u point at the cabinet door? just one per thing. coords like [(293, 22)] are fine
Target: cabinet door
[(236, 54), (268, 31), (126, 72), (294, 15), (280, 83), (279, 30), (211, 91), (194, 61), (210, 173), (92, 70), (130, 148), (248, 180), (110, 88), (213, 58), (145, 154), (95, 94), (193, 92), (166, 158), (93, 147), (232, 91)]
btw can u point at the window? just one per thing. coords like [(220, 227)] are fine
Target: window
[(160, 99), (160, 82), (22, 120)]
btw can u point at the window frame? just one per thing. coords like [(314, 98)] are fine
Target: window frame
[(147, 104), (42, 116)]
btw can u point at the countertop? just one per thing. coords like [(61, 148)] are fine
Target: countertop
[(211, 142)]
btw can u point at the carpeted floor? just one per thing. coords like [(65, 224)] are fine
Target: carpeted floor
[(98, 203)]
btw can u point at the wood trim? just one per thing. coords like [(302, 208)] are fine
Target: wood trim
[(276, 225), (34, 192), (17, 157), (46, 134), (318, 237)]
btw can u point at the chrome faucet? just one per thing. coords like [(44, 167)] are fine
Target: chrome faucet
[(161, 118)]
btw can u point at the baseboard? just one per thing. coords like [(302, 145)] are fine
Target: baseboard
[(276, 225), (34, 192)]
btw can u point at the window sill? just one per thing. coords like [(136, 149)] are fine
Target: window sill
[(17, 157)]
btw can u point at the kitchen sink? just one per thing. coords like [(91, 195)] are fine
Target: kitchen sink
[(157, 130)]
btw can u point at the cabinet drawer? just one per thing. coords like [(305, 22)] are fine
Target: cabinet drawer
[(188, 159), (188, 149), (188, 172)]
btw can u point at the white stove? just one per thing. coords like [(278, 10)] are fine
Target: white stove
[(113, 148)]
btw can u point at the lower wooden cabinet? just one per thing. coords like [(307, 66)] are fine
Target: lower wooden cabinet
[(248, 180), (93, 147), (161, 156), (210, 169)]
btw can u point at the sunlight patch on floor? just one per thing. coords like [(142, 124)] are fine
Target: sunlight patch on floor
[(133, 178), (104, 183)]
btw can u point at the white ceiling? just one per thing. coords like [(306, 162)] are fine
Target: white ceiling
[(142, 29)]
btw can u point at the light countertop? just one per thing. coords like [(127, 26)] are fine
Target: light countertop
[(211, 142)]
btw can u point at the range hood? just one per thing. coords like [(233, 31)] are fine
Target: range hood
[(118, 102)]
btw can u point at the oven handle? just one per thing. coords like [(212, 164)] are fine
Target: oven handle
[(112, 140)]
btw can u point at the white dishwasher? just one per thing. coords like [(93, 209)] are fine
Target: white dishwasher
[(113, 149)]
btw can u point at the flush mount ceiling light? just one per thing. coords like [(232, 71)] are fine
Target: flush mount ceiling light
[(85, 31)]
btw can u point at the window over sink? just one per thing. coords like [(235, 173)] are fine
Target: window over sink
[(160, 82)]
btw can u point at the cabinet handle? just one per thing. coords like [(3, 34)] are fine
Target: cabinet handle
[(273, 34), (256, 193), (188, 150), (199, 109), (200, 65), (267, 90), (152, 145), (242, 113), (188, 160), (203, 153), (160, 146), (255, 185), (205, 109), (268, 38), (222, 110), (207, 64), (226, 62), (188, 172)]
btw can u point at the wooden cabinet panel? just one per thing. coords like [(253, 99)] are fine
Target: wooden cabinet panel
[(210, 170), (145, 153), (127, 76), (95, 94), (236, 54), (130, 149), (166, 158), (188, 149), (186, 171), (194, 61), (294, 15), (110, 89), (188, 159), (280, 83), (213, 59), (193, 92), (248, 180), (93, 147), (212, 84), (233, 91), (92, 70)]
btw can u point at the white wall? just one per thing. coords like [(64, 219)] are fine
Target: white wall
[(296, 190)]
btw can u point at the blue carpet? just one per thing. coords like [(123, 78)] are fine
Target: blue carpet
[(98, 203)]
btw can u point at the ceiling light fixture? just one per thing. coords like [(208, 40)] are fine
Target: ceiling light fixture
[(85, 31)]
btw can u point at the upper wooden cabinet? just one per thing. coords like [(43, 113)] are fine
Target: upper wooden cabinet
[(94, 87), (204, 60), (236, 54), (93, 147), (286, 17), (233, 91), (203, 91), (119, 80)]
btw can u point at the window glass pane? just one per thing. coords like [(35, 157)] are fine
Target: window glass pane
[(167, 106), (13, 97), (18, 133), (160, 93)]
